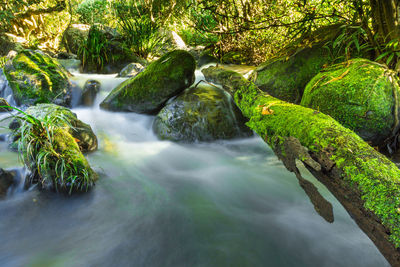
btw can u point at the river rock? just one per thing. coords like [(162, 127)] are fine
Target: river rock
[(202, 113), (6, 180), (4, 105), (89, 93), (362, 95), (150, 89), (34, 77), (131, 70), (51, 143), (79, 130)]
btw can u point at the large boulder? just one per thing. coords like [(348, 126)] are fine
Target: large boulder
[(150, 89), (50, 141), (34, 77), (202, 113), (362, 95), (286, 77), (80, 131)]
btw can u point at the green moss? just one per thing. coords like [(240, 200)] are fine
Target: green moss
[(151, 88), (203, 113), (52, 154), (364, 169), (37, 78), (359, 94), (286, 78), (66, 119)]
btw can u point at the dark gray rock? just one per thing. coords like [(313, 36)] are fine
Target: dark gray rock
[(202, 113), (89, 93)]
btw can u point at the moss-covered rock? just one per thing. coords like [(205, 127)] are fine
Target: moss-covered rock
[(59, 165), (362, 95), (150, 89), (4, 106), (80, 131), (285, 78), (202, 113), (51, 147), (35, 77)]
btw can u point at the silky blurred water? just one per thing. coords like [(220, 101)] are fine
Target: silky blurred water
[(158, 203)]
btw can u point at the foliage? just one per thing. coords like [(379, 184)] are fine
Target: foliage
[(141, 35), (194, 37), (352, 42), (94, 51), (93, 11), (41, 152), (390, 53), (138, 27), (259, 29)]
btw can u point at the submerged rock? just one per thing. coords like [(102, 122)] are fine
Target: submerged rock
[(35, 77), (131, 70), (150, 89), (202, 113), (89, 93), (82, 132), (6, 180), (362, 95)]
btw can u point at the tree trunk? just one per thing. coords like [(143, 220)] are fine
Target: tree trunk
[(363, 180), (386, 19)]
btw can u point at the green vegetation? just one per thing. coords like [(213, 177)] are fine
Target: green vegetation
[(50, 152), (151, 88), (364, 170), (360, 94), (200, 114), (94, 52), (37, 78)]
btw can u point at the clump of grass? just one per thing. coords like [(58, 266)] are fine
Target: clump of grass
[(52, 154)]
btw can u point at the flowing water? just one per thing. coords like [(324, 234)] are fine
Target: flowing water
[(158, 203)]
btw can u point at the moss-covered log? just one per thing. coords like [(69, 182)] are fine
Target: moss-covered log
[(363, 180)]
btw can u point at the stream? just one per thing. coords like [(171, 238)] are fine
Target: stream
[(159, 203)]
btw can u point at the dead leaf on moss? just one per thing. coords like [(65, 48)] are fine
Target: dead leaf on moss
[(267, 111)]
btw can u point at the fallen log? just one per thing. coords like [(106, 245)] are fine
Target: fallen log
[(364, 181)]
